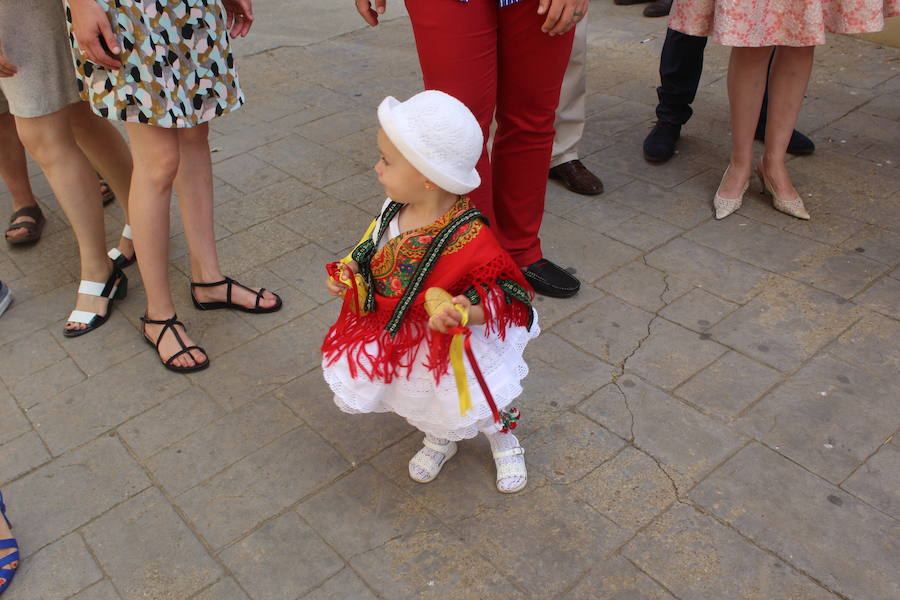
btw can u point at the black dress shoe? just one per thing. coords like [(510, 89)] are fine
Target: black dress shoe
[(799, 144), (659, 146), (660, 8), (549, 279), (575, 176)]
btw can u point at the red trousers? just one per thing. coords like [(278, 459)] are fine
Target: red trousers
[(500, 64)]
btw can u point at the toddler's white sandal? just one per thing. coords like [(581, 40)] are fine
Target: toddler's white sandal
[(427, 463), (509, 469)]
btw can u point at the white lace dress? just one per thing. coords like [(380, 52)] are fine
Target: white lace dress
[(434, 408)]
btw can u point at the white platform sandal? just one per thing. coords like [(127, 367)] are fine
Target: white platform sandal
[(510, 469), (120, 260), (115, 288), (427, 463)]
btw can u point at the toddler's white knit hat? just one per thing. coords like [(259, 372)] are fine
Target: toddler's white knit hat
[(438, 135)]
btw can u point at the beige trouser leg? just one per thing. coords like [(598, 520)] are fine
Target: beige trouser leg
[(571, 111)]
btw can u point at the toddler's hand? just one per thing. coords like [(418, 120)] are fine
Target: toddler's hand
[(337, 288), (445, 321)]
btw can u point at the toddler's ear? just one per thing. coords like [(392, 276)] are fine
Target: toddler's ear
[(429, 185)]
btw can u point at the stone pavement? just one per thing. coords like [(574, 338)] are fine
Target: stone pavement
[(712, 417)]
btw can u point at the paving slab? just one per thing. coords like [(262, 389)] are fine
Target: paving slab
[(101, 475), (829, 416), (696, 557), (260, 485), (877, 481), (832, 536), (786, 324), (267, 560), (701, 444), (148, 550), (616, 579)]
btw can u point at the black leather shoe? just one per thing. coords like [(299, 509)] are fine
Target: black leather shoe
[(659, 145), (549, 279), (575, 176), (660, 8), (798, 146)]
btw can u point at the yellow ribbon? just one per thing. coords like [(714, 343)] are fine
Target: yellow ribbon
[(436, 300)]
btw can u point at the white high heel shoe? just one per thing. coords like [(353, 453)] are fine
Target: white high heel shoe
[(791, 206), (726, 206)]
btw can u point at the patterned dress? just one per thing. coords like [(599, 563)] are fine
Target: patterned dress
[(177, 67), (433, 406), (758, 23)]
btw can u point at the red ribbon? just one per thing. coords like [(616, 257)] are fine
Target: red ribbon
[(467, 333)]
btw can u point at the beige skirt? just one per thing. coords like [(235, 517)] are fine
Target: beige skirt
[(34, 39)]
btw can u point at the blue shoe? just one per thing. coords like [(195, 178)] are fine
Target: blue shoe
[(10, 562)]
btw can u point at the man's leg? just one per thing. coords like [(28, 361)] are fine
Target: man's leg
[(570, 116), (680, 68)]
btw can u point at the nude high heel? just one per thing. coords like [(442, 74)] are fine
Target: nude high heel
[(791, 206), (726, 206)]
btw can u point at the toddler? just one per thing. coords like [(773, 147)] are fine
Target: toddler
[(436, 315)]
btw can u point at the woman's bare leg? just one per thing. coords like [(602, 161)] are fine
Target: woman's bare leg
[(155, 152), (14, 171), (746, 86), (788, 79), (108, 152), (50, 141), (195, 193)]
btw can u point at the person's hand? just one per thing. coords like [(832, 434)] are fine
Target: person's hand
[(562, 15), (370, 15), (336, 288), (90, 25), (239, 17), (7, 69), (443, 322)]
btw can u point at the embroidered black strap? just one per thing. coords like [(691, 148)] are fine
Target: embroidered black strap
[(363, 253), (514, 291), (435, 249)]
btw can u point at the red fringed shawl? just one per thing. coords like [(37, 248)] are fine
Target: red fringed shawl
[(477, 266)]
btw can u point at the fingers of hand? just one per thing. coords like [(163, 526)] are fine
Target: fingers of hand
[(553, 16), (566, 21), (364, 8), (380, 6), (543, 6)]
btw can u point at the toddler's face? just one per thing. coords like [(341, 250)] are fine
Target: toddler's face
[(401, 181)]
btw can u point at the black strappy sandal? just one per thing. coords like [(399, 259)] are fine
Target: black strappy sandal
[(168, 324), (257, 309)]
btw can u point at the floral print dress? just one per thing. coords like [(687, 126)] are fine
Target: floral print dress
[(177, 67), (758, 23)]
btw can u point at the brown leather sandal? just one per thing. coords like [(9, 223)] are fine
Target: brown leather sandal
[(106, 192), (33, 230)]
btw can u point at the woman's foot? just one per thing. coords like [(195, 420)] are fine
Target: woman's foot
[(730, 194), (240, 295), (428, 462), (30, 221), (169, 345), (89, 303), (776, 181), (509, 458)]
